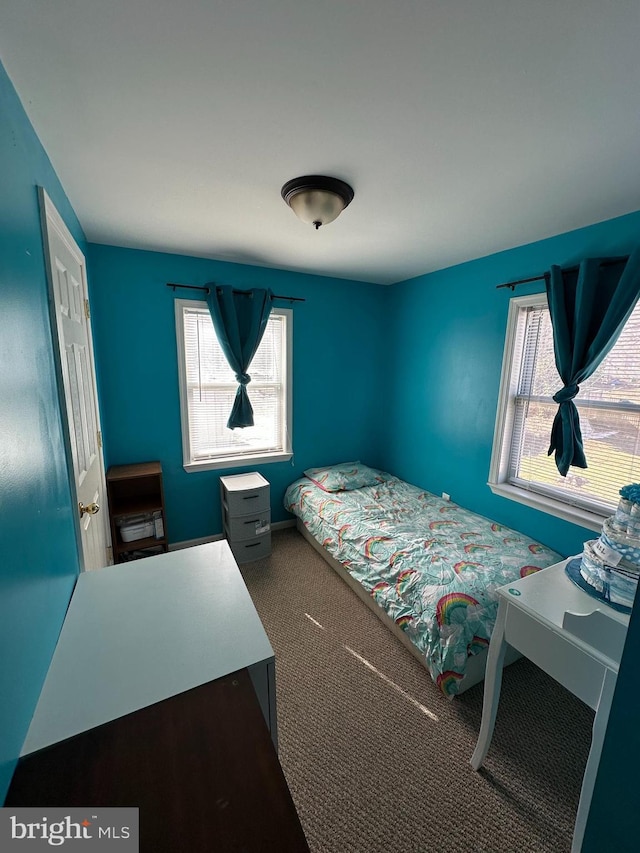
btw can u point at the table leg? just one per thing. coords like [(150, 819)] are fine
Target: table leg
[(591, 770), (492, 684)]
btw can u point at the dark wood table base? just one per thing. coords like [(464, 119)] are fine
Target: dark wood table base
[(200, 766)]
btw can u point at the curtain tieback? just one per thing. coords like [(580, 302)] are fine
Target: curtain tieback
[(243, 378), (567, 393)]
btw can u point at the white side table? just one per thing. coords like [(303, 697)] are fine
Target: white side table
[(573, 637)]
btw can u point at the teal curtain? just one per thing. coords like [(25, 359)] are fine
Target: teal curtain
[(239, 319), (589, 305)]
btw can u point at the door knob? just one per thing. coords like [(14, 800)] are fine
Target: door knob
[(90, 509)]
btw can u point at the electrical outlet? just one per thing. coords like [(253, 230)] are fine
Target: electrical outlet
[(446, 497)]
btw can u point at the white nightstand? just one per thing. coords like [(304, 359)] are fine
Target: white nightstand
[(246, 515), (572, 636)]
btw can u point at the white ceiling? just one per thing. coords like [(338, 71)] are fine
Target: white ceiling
[(464, 127)]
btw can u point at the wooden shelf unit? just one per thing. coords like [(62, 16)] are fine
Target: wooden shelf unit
[(135, 490)]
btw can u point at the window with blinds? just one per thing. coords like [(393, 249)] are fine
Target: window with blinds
[(208, 388), (608, 404)]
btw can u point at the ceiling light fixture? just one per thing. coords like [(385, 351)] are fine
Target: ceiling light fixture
[(316, 199)]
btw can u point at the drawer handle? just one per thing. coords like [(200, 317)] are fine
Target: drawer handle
[(253, 521), (250, 497), (253, 545)]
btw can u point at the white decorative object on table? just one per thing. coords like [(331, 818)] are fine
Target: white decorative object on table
[(610, 565)]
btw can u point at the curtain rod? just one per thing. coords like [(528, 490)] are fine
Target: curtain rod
[(514, 284), (208, 290)]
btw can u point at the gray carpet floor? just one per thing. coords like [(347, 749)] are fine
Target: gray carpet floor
[(377, 759)]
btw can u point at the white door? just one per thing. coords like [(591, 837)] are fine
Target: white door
[(70, 310)]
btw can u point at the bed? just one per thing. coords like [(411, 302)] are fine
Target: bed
[(427, 567)]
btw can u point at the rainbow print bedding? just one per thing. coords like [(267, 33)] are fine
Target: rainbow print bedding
[(431, 565)]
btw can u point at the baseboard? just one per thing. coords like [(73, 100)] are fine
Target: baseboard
[(280, 525), (189, 543)]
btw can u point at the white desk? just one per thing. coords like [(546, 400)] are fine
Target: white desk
[(574, 638), (141, 632)]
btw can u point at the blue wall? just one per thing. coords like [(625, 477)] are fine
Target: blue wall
[(38, 561), (336, 368), (614, 821), (446, 341)]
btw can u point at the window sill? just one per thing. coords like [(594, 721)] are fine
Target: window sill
[(236, 461), (573, 514)]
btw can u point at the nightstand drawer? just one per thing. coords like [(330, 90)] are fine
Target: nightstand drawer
[(245, 493), (252, 549), (243, 527), (253, 500)]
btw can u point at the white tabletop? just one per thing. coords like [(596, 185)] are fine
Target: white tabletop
[(552, 598), (547, 594), (140, 632)]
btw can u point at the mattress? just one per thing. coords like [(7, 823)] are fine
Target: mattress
[(431, 565)]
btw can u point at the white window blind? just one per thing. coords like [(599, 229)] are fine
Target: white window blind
[(208, 387), (609, 408)]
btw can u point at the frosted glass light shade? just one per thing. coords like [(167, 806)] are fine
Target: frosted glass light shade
[(317, 199), (317, 207)]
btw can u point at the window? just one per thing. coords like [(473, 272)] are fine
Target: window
[(208, 388), (609, 407)]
